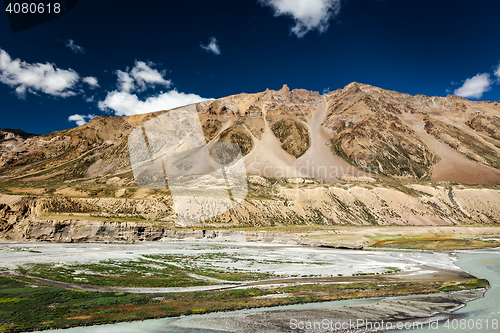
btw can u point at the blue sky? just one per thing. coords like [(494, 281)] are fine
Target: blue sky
[(119, 57)]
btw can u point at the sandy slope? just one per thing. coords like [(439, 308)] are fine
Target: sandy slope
[(318, 161), (269, 159), (453, 166)]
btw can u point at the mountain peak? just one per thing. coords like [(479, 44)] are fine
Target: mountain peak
[(356, 85), (285, 88)]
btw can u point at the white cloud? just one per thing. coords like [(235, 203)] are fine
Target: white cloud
[(75, 48), (141, 77), (145, 75), (36, 77), (91, 81), (497, 72), (125, 81), (212, 46), (308, 14), (80, 119), (125, 102), (122, 103), (475, 87)]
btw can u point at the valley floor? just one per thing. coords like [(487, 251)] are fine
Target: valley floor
[(50, 285)]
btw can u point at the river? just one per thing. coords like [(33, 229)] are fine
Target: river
[(482, 314), (484, 311)]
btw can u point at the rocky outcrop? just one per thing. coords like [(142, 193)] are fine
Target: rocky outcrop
[(10, 142), (13, 211), (115, 219), (76, 231)]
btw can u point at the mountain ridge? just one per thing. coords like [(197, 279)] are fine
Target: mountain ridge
[(359, 129)]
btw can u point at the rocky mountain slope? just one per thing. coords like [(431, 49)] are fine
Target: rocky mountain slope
[(353, 156), (152, 218), (10, 140), (298, 133)]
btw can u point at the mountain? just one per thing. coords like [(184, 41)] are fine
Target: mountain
[(357, 155), (299, 133)]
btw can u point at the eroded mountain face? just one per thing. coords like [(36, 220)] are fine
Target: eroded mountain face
[(441, 138), (244, 118), (10, 140), (367, 130), (299, 133)]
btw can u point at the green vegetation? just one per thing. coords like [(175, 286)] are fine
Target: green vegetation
[(139, 273), (206, 265), (27, 305), (436, 243), (467, 285), (390, 270), (24, 305)]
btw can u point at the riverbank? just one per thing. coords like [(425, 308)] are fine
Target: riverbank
[(483, 314), (361, 315), (333, 236), (26, 305), (406, 311), (299, 275)]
